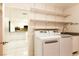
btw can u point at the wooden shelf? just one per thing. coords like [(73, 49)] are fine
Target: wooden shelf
[(48, 12), (63, 22)]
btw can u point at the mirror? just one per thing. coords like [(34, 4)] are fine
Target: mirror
[(18, 20), (18, 26)]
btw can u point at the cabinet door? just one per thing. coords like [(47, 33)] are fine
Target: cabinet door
[(51, 48)]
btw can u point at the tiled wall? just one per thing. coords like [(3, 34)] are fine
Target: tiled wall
[(46, 25)]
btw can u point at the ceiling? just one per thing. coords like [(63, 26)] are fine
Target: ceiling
[(27, 5)]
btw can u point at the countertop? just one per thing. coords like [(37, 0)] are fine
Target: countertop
[(71, 33)]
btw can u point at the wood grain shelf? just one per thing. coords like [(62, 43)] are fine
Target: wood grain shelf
[(63, 22)]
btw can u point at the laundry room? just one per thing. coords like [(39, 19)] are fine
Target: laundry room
[(63, 18), (41, 29)]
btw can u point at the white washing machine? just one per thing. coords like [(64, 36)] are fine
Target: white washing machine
[(50, 43), (46, 43)]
